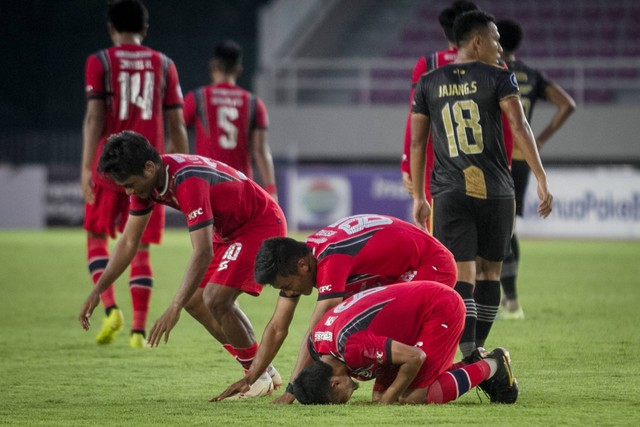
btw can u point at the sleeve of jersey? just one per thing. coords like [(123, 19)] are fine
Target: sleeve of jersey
[(419, 69), (94, 83), (332, 275), (195, 202), (139, 207), (173, 95), (262, 118), (420, 98), (543, 83), (189, 109), (506, 84), (365, 349)]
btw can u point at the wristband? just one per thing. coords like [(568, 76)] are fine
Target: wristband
[(271, 189), (289, 388)]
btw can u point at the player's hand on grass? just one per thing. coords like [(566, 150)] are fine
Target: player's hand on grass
[(241, 386), (163, 326), (87, 308), (285, 399)]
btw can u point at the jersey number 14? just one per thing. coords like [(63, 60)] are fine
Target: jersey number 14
[(136, 89)]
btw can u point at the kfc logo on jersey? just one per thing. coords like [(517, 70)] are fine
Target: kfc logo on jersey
[(325, 288), (194, 214), (323, 336)]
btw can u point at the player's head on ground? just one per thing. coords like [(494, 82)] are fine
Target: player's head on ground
[(449, 15), (477, 36), (128, 16), (227, 58), (510, 35), (131, 162), (319, 384), (287, 265)]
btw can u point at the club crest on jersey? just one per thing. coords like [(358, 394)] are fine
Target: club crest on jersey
[(194, 214), (513, 80), (408, 276)]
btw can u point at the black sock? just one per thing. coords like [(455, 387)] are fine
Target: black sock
[(487, 297), (468, 339), (108, 309)]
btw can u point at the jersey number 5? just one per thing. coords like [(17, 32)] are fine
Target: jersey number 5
[(466, 116), (136, 89), (229, 138)]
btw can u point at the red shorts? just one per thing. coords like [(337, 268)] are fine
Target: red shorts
[(234, 260), (110, 211), (439, 342), (439, 267)]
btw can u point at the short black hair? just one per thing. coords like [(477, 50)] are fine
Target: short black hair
[(125, 154), (128, 16), (312, 386), (278, 256), (510, 34), (227, 57), (449, 15), (467, 24)]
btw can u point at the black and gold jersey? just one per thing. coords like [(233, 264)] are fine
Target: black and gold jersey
[(463, 104)]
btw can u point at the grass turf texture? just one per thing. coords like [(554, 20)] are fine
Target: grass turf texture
[(576, 355)]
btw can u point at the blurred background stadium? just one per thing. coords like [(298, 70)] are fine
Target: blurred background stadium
[(335, 76)]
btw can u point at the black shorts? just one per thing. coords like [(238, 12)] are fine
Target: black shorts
[(520, 174), (471, 227)]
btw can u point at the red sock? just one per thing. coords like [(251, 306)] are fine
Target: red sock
[(245, 355), (98, 257), (454, 383), (140, 285)]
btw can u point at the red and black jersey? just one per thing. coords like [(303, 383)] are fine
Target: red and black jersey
[(136, 83), (364, 251), (225, 116), (359, 330), (209, 192)]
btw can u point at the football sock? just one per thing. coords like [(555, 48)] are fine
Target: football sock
[(510, 270), (487, 297), (140, 285), (454, 383), (245, 355), (97, 258), (468, 339)]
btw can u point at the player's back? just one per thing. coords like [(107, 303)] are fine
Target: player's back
[(205, 189), (136, 82), (226, 116), (463, 103)]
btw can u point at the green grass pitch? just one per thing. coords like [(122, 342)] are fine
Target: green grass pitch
[(577, 354)]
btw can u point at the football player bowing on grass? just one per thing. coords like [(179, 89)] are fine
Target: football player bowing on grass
[(405, 337), (228, 216), (353, 254)]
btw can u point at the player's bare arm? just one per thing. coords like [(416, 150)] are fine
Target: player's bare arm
[(264, 161), (304, 358), (410, 360), (178, 140), (119, 260), (201, 257), (565, 106), (92, 127), (523, 137), (420, 128), (273, 336)]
